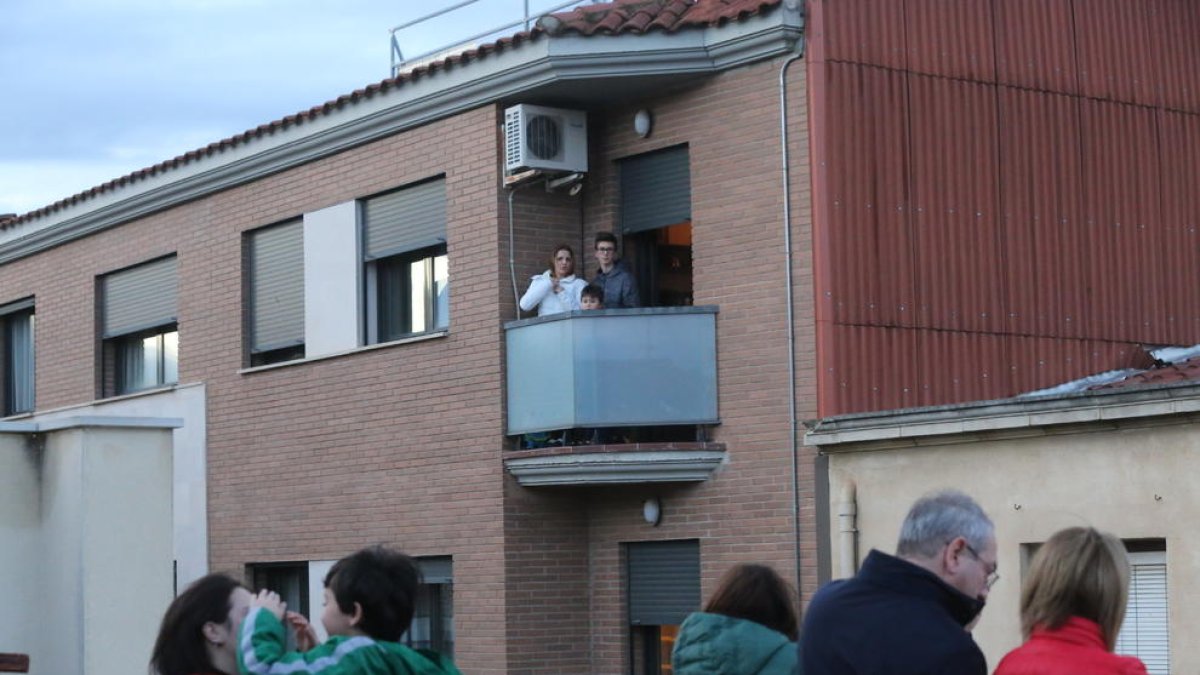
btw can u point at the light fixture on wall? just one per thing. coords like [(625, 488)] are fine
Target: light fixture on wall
[(652, 511), (643, 122)]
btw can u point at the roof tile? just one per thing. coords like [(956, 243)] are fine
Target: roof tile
[(643, 16), (1183, 371)]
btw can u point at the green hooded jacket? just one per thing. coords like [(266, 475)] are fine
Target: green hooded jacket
[(261, 652), (714, 644)]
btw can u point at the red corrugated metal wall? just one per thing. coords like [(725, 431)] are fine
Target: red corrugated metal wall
[(1005, 193)]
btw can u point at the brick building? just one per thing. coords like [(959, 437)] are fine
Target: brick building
[(327, 305)]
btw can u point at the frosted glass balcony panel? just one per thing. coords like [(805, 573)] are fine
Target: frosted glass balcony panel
[(613, 368)]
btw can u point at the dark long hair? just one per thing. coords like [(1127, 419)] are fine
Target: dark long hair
[(180, 647), (756, 593)]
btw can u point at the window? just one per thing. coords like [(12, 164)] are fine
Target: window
[(407, 270), (288, 579), (664, 587), (412, 294), (433, 620), (146, 360), (275, 302), (139, 340), (1144, 633), (656, 221), (16, 357)]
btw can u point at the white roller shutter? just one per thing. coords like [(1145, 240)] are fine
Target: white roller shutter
[(1144, 633)]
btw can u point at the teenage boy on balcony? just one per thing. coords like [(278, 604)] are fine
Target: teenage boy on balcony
[(620, 288)]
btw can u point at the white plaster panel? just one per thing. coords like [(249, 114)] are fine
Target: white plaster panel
[(331, 280), (317, 569), (19, 542), (126, 549), (190, 499)]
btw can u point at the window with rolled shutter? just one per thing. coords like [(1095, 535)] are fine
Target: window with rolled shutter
[(140, 298), (656, 190), (138, 317), (405, 220), (664, 581), (276, 277), (405, 259), (1144, 633)]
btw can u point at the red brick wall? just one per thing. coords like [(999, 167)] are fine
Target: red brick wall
[(731, 125)]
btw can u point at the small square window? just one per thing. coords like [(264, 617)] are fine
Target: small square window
[(410, 294), (144, 360)]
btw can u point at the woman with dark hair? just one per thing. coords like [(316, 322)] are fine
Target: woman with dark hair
[(198, 631), (557, 289), (748, 627), (1072, 606)]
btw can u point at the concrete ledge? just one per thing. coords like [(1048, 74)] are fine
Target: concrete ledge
[(616, 465), (91, 421), (1016, 416)]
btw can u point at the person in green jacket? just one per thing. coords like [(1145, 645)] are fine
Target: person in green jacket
[(748, 627), (370, 597)]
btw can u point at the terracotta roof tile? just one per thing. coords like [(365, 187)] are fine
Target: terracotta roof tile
[(1171, 373), (622, 16), (643, 16)]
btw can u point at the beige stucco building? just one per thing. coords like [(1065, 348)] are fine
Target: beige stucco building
[(1122, 460)]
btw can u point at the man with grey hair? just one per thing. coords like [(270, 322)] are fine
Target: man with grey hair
[(909, 613)]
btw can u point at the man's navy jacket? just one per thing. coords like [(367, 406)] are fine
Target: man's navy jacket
[(893, 618)]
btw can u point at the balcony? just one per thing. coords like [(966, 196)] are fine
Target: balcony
[(608, 369)]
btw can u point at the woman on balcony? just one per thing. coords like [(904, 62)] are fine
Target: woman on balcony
[(557, 289)]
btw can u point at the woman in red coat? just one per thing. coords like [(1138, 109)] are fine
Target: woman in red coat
[(1072, 605)]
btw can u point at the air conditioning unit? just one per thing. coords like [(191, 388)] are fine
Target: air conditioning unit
[(551, 139)]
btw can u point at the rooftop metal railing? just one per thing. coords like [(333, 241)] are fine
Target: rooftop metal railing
[(399, 61)]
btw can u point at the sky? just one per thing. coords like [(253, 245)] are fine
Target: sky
[(96, 89)]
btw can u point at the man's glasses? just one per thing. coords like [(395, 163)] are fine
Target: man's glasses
[(606, 249), (992, 576)]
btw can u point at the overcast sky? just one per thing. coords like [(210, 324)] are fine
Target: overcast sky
[(96, 89)]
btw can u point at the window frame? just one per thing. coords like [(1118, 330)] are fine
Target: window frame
[(282, 353), (9, 313), (114, 348), (380, 305), (435, 596)]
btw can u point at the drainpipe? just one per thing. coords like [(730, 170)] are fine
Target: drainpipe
[(791, 326), (848, 532)]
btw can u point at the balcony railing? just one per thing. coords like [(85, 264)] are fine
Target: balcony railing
[(613, 368)]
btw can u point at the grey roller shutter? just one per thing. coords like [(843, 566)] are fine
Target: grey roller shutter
[(436, 570), (277, 287), (664, 582), (656, 190), (140, 298), (17, 306), (405, 220)]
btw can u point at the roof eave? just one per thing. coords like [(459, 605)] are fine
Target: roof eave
[(1005, 418)]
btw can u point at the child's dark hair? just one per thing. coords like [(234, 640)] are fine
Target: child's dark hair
[(384, 583), (179, 649), (593, 291), (756, 593)]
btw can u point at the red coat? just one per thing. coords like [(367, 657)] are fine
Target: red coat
[(1077, 648)]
